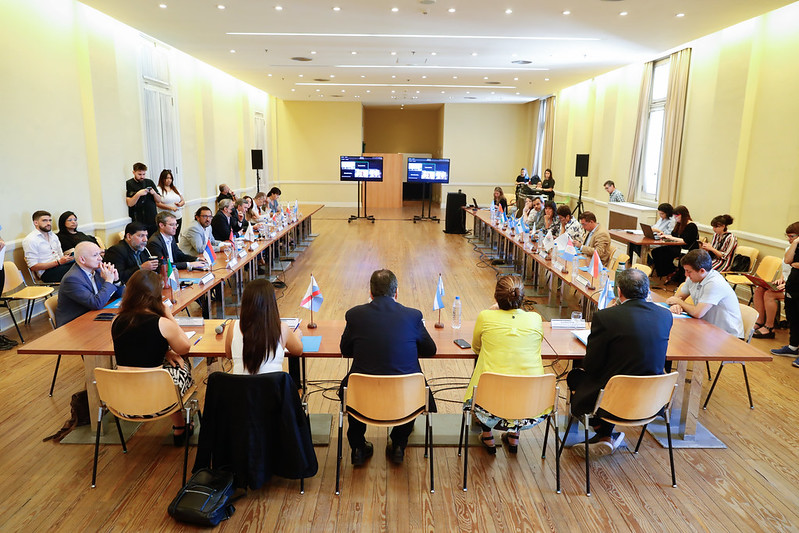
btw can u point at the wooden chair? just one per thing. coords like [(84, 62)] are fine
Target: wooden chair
[(767, 270), (38, 281), (646, 269), (15, 288), (619, 259), (749, 317), (386, 401), (50, 305), (100, 242), (632, 401), (140, 395), (514, 397)]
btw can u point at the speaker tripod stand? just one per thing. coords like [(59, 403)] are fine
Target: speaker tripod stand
[(579, 207)]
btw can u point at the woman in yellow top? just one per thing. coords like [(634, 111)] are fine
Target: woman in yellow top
[(507, 340)]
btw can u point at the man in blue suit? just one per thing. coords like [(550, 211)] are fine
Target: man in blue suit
[(163, 245), (383, 338), (89, 285), (629, 338)]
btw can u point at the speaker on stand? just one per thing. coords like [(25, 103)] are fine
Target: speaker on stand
[(455, 221), (580, 171), (257, 166)]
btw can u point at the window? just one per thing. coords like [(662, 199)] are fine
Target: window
[(649, 171), (538, 157)]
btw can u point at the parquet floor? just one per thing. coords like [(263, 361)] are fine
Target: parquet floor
[(751, 486)]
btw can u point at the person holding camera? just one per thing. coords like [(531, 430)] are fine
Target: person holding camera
[(141, 197)]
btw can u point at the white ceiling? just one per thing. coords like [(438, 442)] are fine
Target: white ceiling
[(440, 57)]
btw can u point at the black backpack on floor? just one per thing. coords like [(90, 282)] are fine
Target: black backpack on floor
[(206, 498)]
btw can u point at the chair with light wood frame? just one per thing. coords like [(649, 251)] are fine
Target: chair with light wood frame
[(50, 304), (514, 398), (619, 259), (646, 269), (767, 270), (385, 401), (15, 288), (749, 316), (139, 395), (631, 401)]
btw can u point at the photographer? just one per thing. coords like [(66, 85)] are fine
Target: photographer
[(141, 197)]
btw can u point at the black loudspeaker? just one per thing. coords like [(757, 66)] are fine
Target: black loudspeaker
[(581, 166), (257, 159), (456, 216)]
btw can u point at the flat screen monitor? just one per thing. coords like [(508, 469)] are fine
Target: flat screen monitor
[(427, 170), (361, 168)]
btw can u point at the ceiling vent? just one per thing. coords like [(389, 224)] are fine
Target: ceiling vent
[(298, 58), (521, 62)]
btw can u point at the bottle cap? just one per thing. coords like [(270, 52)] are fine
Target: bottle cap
[(457, 297)]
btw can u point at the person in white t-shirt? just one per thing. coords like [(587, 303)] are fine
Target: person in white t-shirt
[(171, 199), (714, 299)]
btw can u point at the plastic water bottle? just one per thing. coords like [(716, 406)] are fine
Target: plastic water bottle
[(619, 268), (456, 313)]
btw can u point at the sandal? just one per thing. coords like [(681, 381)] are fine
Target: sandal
[(179, 439), (768, 335), (506, 437), (492, 450)]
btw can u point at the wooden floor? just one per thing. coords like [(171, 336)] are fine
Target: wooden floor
[(751, 486)]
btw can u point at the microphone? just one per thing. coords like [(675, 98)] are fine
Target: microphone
[(221, 327)]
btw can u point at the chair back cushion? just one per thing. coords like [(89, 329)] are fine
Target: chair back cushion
[(749, 316), (135, 394), (385, 398), (515, 397), (638, 397)]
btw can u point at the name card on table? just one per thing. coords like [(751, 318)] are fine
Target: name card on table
[(208, 277), (253, 246), (168, 303), (558, 264), (567, 323), (232, 263), (542, 254), (243, 253)]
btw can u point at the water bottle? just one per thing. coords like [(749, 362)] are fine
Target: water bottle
[(619, 268), (456, 313)]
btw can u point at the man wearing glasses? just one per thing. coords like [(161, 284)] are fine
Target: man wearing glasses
[(199, 233), (163, 245)]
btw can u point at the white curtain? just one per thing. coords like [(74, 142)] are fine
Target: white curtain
[(675, 119)]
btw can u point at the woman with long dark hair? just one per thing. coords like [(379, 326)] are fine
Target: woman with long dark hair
[(259, 339), (500, 200), (68, 234), (171, 199), (722, 249), (663, 257), (146, 335)]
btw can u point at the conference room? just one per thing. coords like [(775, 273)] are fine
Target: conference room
[(98, 87)]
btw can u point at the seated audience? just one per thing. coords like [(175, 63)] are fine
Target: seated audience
[(722, 248), (596, 238), (68, 234), (549, 220), (765, 301), (43, 250), (221, 224), (141, 197), (629, 338), (171, 199), (259, 205), (273, 200), (88, 286), (225, 193), (714, 300), (665, 222), (146, 335), (567, 223), (663, 257), (163, 245), (533, 211), (199, 233), (129, 255), (615, 194), (792, 300), (259, 340), (507, 340), (500, 200), (238, 220)]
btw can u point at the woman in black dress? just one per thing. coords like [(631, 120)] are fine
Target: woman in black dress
[(68, 234), (663, 257), (146, 335)]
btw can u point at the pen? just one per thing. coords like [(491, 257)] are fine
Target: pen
[(295, 327), (198, 340)]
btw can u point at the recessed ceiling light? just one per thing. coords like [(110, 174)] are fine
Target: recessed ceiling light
[(356, 96), (485, 77), (313, 52), (278, 8), (362, 76), (332, 75), (269, 75), (417, 92), (433, 53), (468, 92), (368, 90), (293, 90), (623, 14), (393, 91), (567, 12), (354, 53), (300, 75), (336, 8), (393, 53), (492, 92), (451, 10), (394, 9), (343, 90), (220, 6), (162, 6), (443, 92), (232, 51), (318, 90), (518, 93), (680, 15), (424, 77), (515, 79), (508, 11), (474, 54), (393, 77), (546, 79), (454, 77), (414, 97)]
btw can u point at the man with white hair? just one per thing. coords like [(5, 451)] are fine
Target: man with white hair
[(89, 285)]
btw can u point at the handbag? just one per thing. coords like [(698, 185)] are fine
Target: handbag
[(205, 500)]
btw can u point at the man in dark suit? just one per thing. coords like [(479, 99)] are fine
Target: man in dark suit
[(221, 223), (89, 285), (129, 254), (629, 338), (383, 338), (163, 245)]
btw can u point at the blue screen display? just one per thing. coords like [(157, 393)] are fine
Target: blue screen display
[(427, 170), (361, 168)]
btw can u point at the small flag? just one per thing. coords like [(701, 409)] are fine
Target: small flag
[(570, 249), (208, 253), (171, 274), (249, 235), (549, 241), (595, 266), (605, 296), (562, 241), (232, 237), (313, 297), (439, 299)]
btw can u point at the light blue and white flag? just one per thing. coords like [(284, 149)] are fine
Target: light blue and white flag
[(438, 303)]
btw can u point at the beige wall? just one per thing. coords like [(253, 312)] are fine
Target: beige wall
[(739, 152), (72, 118), (409, 130)]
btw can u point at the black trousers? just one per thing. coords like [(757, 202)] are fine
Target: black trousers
[(54, 275), (792, 314)]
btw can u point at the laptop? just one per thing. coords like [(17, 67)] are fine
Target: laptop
[(474, 201), (647, 229), (760, 282)]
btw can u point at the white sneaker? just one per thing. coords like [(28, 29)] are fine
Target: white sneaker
[(599, 448)]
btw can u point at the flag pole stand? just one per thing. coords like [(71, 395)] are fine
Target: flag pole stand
[(590, 285), (312, 324), (439, 324)]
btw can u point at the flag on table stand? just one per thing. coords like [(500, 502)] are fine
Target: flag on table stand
[(549, 241), (249, 235), (312, 300), (605, 296), (208, 253), (438, 302), (594, 268)]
